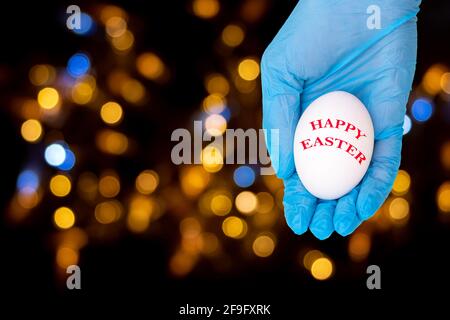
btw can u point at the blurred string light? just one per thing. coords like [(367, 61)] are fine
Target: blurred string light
[(214, 103), (359, 246), (140, 212), (246, 202), (212, 159), (234, 227), (205, 9), (27, 181), (87, 25), (64, 218), (422, 109), (109, 184), (215, 124), (443, 197), (55, 154), (111, 112), (244, 176), (194, 179), (217, 84), (107, 212), (147, 181), (112, 142), (78, 65), (48, 98), (150, 66), (116, 26), (431, 81), (42, 74), (243, 85), (31, 130), (221, 204), (66, 256), (60, 185), (402, 183), (83, 90), (132, 91), (322, 268), (248, 69), (233, 35), (310, 257), (399, 210), (445, 82), (124, 42), (407, 124), (211, 244), (264, 245), (265, 202), (87, 186), (109, 11)]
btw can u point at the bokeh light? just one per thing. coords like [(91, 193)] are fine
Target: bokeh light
[(205, 9), (402, 183), (322, 268), (108, 211), (116, 26), (422, 109), (244, 176), (112, 142), (310, 257), (215, 124), (109, 185), (27, 181), (359, 246), (147, 181), (78, 65), (248, 69), (263, 246), (233, 35), (150, 65), (234, 227), (66, 256), (83, 91), (246, 202), (48, 98), (212, 159), (124, 42), (60, 185), (217, 84), (111, 112), (407, 124), (443, 197), (87, 25), (42, 74), (31, 130), (399, 209), (214, 104), (64, 218), (221, 204), (140, 212), (194, 180), (265, 202), (431, 81), (445, 155), (55, 154)]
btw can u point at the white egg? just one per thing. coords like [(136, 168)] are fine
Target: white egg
[(333, 145)]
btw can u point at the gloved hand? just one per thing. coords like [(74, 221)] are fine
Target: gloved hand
[(326, 46)]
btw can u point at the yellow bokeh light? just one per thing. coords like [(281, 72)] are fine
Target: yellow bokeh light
[(213, 104), (123, 42), (115, 26), (399, 209), (140, 212), (31, 130), (246, 202), (113, 142), (108, 211), (265, 202), (359, 246), (42, 74), (322, 268), (445, 82), (190, 227), (248, 69), (210, 244), (48, 98), (443, 197), (431, 81), (205, 9), (194, 180), (215, 124), (181, 263), (244, 86), (234, 227), (111, 112), (88, 186), (150, 66), (66, 256), (233, 35), (132, 91), (109, 185), (64, 218), (310, 257), (147, 181), (445, 155), (82, 92), (402, 183), (263, 246), (217, 84), (212, 159), (109, 11), (221, 205), (28, 199), (60, 185)]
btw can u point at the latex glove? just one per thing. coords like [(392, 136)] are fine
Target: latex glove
[(325, 46)]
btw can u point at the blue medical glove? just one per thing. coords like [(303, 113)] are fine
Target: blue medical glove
[(334, 45)]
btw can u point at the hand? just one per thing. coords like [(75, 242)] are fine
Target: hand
[(326, 46)]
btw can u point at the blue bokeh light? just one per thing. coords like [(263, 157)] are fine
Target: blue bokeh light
[(226, 113), (86, 25), (407, 124), (244, 176), (422, 109), (78, 65), (55, 154), (69, 160), (27, 181)]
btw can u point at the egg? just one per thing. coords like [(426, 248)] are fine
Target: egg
[(333, 145)]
